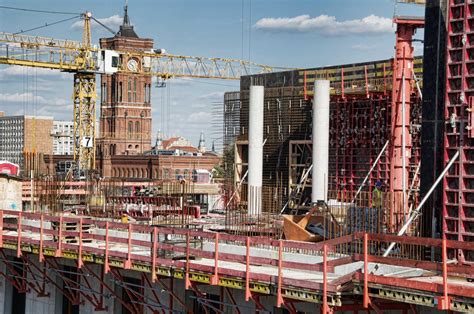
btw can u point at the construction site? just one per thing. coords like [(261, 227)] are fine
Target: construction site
[(339, 189)]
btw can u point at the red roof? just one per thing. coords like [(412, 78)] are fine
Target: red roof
[(189, 149), (167, 143)]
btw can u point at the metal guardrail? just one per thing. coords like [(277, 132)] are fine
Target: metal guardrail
[(69, 238)]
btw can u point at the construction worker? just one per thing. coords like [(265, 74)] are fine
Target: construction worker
[(377, 196), (124, 218)]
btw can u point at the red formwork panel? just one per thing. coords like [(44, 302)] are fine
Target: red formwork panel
[(458, 189), (359, 128)]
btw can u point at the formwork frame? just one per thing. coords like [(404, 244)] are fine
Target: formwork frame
[(361, 111), (458, 184)]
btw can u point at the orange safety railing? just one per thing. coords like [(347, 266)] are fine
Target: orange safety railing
[(128, 242)]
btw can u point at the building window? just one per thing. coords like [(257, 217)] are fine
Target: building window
[(129, 90), (147, 93), (186, 173), (113, 92), (166, 174), (137, 127), (120, 91), (135, 90), (104, 92), (130, 129)]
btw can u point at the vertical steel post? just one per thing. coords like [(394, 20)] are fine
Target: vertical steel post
[(18, 251), (1, 228), (401, 141), (41, 254), (366, 83), (280, 274), (187, 282), (444, 302), (343, 96), (247, 269), (155, 248), (79, 257), (106, 258), (366, 273), (128, 262), (60, 237), (215, 277), (325, 279)]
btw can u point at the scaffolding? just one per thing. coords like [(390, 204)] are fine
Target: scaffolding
[(360, 125)]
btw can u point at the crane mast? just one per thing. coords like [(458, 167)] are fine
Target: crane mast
[(84, 97)]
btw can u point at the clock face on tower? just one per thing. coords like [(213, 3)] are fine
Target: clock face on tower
[(132, 65)]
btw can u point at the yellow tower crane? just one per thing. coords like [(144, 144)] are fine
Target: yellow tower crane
[(85, 61)]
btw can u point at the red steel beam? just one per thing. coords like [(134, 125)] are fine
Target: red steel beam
[(215, 276), (325, 280), (280, 301), (248, 294), (401, 86), (444, 302), (366, 274)]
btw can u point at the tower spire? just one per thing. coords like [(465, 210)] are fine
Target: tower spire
[(126, 19), (202, 143), (126, 29)]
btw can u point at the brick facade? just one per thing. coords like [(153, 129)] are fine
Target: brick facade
[(19, 134), (38, 135), (144, 167)]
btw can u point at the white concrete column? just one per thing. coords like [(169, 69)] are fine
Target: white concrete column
[(320, 140), (255, 162)]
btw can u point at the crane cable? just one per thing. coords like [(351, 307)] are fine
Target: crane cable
[(103, 25), (37, 11), (46, 25)]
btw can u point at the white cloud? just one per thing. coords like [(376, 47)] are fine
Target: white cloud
[(201, 117), (113, 22), (32, 99), (15, 71), (328, 25)]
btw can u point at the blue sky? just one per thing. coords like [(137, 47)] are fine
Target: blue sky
[(291, 33)]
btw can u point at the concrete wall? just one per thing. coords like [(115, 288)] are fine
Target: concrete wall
[(10, 191), (42, 305)]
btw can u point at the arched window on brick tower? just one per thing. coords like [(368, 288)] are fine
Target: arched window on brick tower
[(137, 128), (135, 90), (130, 129)]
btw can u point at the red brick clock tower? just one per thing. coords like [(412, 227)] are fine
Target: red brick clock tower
[(125, 108)]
